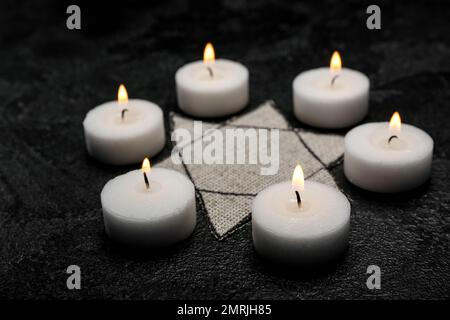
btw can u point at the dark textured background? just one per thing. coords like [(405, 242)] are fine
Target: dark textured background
[(50, 215)]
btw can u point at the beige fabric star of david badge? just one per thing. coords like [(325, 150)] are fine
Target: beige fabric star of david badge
[(225, 191)]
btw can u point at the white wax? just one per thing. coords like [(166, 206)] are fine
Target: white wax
[(155, 217), (202, 95), (372, 163), (111, 139), (314, 234), (320, 104)]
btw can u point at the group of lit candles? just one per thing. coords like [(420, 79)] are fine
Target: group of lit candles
[(294, 222)]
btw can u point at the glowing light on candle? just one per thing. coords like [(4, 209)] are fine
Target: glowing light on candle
[(298, 179), (395, 124), (335, 63), (146, 168), (208, 54), (122, 95)]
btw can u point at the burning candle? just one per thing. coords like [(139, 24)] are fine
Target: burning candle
[(331, 97), (387, 157), (124, 131), (149, 207), (212, 88), (300, 223)]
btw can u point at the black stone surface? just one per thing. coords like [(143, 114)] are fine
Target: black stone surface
[(50, 215)]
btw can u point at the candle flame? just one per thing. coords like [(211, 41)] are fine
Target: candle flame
[(208, 54), (146, 166), (335, 63), (122, 95), (298, 179), (395, 124)]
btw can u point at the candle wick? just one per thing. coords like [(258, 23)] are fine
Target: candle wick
[(299, 200), (333, 80), (392, 137), (211, 74), (123, 113), (147, 184)]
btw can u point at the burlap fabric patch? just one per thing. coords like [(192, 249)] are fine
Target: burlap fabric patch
[(225, 191)]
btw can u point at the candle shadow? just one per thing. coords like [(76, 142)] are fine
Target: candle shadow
[(222, 120), (142, 253), (397, 197), (98, 165), (296, 272), (216, 120), (110, 168), (297, 124)]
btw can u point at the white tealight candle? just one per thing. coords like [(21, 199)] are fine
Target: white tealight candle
[(212, 88), (150, 208), (331, 98), (384, 157), (124, 131), (300, 223)]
